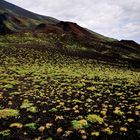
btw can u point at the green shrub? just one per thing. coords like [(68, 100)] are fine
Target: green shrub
[(32, 126), (93, 118), (8, 113), (79, 124), (5, 133)]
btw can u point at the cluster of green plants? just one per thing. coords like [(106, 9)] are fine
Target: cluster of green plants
[(5, 113), (47, 95)]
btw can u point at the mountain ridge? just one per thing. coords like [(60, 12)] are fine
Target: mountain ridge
[(23, 12)]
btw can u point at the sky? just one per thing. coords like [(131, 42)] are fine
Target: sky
[(118, 19)]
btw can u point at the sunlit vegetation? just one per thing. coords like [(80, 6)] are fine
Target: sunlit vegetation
[(5, 113), (79, 124), (94, 119), (47, 95)]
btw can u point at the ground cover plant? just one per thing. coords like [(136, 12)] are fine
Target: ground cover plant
[(45, 94)]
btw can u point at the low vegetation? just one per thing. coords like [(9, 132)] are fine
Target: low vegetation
[(45, 94), (5, 113)]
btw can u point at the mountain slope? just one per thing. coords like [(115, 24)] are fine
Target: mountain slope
[(11, 8), (29, 20), (14, 19)]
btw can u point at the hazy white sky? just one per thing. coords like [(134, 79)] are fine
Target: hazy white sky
[(115, 18)]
